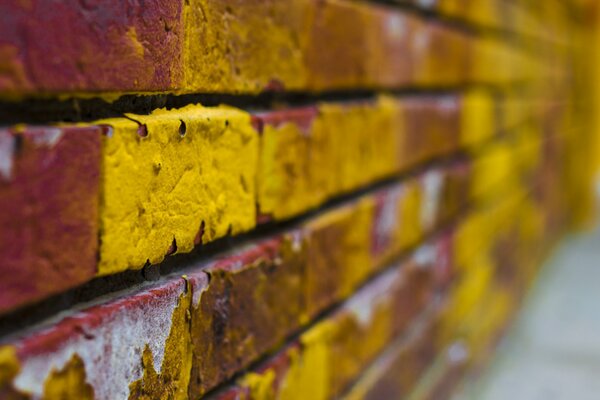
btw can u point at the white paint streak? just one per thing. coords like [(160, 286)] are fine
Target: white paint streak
[(433, 182), (113, 353), (296, 241), (388, 218), (364, 303), (48, 137), (7, 149), (448, 105), (199, 286), (425, 256), (458, 353), (395, 26), (427, 3)]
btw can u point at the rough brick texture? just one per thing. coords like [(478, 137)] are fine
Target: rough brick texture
[(363, 223)]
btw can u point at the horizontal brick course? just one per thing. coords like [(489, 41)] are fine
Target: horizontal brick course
[(240, 305), (332, 353), (173, 180), (233, 47)]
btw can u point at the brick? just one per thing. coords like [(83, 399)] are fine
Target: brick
[(229, 311), (263, 294), (249, 304), (227, 47), (404, 133), (398, 370), (75, 46), (122, 348), (49, 192), (297, 146), (177, 179), (293, 148), (330, 354)]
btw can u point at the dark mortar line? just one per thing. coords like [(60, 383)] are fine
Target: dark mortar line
[(50, 110), (101, 289)]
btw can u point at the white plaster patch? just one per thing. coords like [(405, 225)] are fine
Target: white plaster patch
[(395, 26), (426, 3), (448, 105), (7, 149), (387, 220), (112, 353), (48, 137), (433, 182), (458, 353), (425, 256), (199, 285), (364, 303), (296, 241)]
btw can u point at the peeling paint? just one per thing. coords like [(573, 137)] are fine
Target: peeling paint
[(109, 340)]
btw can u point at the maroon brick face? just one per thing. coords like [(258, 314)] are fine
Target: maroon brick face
[(49, 201), (89, 45), (251, 303)]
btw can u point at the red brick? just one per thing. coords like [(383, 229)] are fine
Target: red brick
[(49, 193)]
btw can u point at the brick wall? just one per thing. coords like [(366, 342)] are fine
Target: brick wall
[(293, 199)]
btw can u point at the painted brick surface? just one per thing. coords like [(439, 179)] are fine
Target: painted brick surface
[(327, 357), (233, 46), (390, 198), (226, 313), (134, 342), (177, 179), (49, 183)]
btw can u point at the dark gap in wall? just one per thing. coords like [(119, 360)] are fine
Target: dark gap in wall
[(50, 110)]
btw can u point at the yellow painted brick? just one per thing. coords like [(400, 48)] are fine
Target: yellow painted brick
[(478, 118), (232, 44), (491, 169), (301, 167), (161, 188), (310, 374)]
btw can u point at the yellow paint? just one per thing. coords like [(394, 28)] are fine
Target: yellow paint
[(243, 46), (307, 375), (135, 43), (9, 367), (358, 265), (409, 230), (339, 250), (478, 120), (68, 382), (353, 343), (492, 172), (346, 147), (527, 148), (466, 295), (310, 371), (262, 386), (160, 188)]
